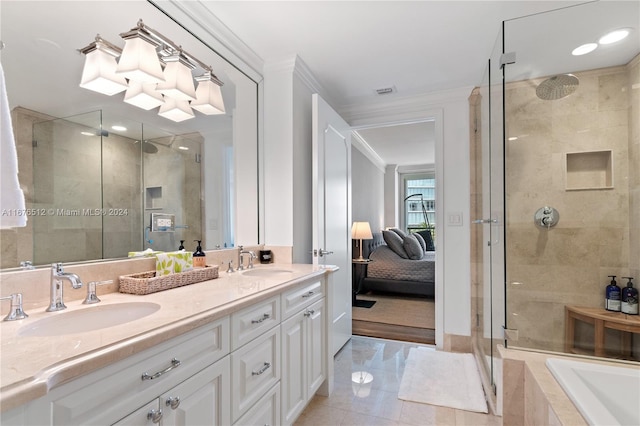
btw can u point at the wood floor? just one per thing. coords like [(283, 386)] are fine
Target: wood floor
[(396, 318)]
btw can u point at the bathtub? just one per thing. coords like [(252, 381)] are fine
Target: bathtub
[(604, 395)]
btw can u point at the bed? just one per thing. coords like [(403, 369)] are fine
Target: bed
[(390, 272)]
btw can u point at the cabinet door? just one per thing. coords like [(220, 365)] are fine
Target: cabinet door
[(317, 346), (294, 375), (200, 400)]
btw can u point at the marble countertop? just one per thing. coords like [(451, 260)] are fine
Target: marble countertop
[(31, 366)]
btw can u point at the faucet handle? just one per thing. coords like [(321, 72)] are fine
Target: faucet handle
[(16, 312), (230, 270), (91, 291)]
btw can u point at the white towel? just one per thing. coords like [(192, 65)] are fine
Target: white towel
[(12, 211)]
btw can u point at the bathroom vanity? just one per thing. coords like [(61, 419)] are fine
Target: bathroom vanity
[(247, 348)]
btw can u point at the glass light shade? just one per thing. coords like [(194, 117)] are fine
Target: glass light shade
[(143, 95), (178, 81), (208, 98), (176, 110), (99, 74), (139, 61)]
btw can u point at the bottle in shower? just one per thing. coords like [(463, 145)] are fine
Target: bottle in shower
[(612, 295), (629, 299)]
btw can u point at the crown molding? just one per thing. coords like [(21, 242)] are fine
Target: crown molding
[(402, 108), (196, 18), (366, 150)]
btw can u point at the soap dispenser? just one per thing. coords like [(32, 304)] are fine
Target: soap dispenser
[(199, 258), (181, 245), (629, 303), (612, 295)]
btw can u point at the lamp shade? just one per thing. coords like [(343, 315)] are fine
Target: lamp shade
[(361, 231), (139, 60), (176, 110), (208, 96), (143, 95), (178, 81), (99, 73)]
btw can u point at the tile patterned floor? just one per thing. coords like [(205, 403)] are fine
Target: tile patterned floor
[(378, 404)]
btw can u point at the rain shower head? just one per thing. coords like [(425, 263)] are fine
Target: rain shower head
[(557, 87), (148, 147)]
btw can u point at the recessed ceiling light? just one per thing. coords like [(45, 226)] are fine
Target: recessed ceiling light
[(584, 49), (184, 148), (119, 128), (614, 36)]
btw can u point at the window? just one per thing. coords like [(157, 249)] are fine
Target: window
[(420, 202)]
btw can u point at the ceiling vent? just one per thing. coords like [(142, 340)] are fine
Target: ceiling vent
[(386, 90)]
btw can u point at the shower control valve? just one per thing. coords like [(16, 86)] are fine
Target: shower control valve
[(546, 217)]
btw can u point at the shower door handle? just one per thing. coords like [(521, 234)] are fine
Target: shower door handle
[(480, 221)]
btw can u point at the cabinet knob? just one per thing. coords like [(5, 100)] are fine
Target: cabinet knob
[(155, 416), (173, 402)]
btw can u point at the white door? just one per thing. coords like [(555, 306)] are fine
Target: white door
[(332, 211)]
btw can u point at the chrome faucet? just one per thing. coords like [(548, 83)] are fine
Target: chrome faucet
[(252, 256), (57, 276)]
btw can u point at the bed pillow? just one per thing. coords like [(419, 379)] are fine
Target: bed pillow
[(412, 247), (421, 240), (400, 232), (394, 242)]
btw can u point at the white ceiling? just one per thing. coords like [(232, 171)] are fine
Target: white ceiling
[(417, 47)]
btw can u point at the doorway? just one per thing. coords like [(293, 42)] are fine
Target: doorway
[(385, 157)]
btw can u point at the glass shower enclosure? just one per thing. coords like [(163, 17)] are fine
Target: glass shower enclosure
[(96, 187)]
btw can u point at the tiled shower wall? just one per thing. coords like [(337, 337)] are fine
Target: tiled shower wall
[(598, 232)]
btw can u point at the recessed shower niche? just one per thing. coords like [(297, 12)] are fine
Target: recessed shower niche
[(589, 170)]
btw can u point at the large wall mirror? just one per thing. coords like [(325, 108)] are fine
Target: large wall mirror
[(95, 169)]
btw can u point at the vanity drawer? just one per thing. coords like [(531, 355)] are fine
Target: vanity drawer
[(301, 296), (255, 368), (103, 396), (251, 322)]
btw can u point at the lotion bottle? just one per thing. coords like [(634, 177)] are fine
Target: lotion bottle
[(612, 295), (199, 258), (629, 304)]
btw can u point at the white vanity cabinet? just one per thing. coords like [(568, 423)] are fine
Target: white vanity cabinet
[(259, 365), (186, 364), (304, 346), (202, 399)]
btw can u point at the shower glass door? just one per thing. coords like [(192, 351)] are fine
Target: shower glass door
[(488, 211)]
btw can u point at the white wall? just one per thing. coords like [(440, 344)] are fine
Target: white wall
[(367, 191)]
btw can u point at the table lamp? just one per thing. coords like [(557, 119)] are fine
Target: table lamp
[(361, 231)]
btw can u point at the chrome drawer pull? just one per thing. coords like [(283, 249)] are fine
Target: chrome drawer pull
[(309, 312), (309, 294), (174, 363), (173, 402), (258, 321), (262, 370), (154, 416)]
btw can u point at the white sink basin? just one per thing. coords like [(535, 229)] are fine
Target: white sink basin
[(89, 318), (266, 272)]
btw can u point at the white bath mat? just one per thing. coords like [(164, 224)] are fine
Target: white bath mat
[(442, 378)]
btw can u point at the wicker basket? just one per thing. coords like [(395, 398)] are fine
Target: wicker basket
[(147, 282)]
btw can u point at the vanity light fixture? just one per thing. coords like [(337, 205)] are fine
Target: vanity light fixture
[(139, 60), (208, 95), (139, 71), (99, 73), (178, 82), (176, 110)]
